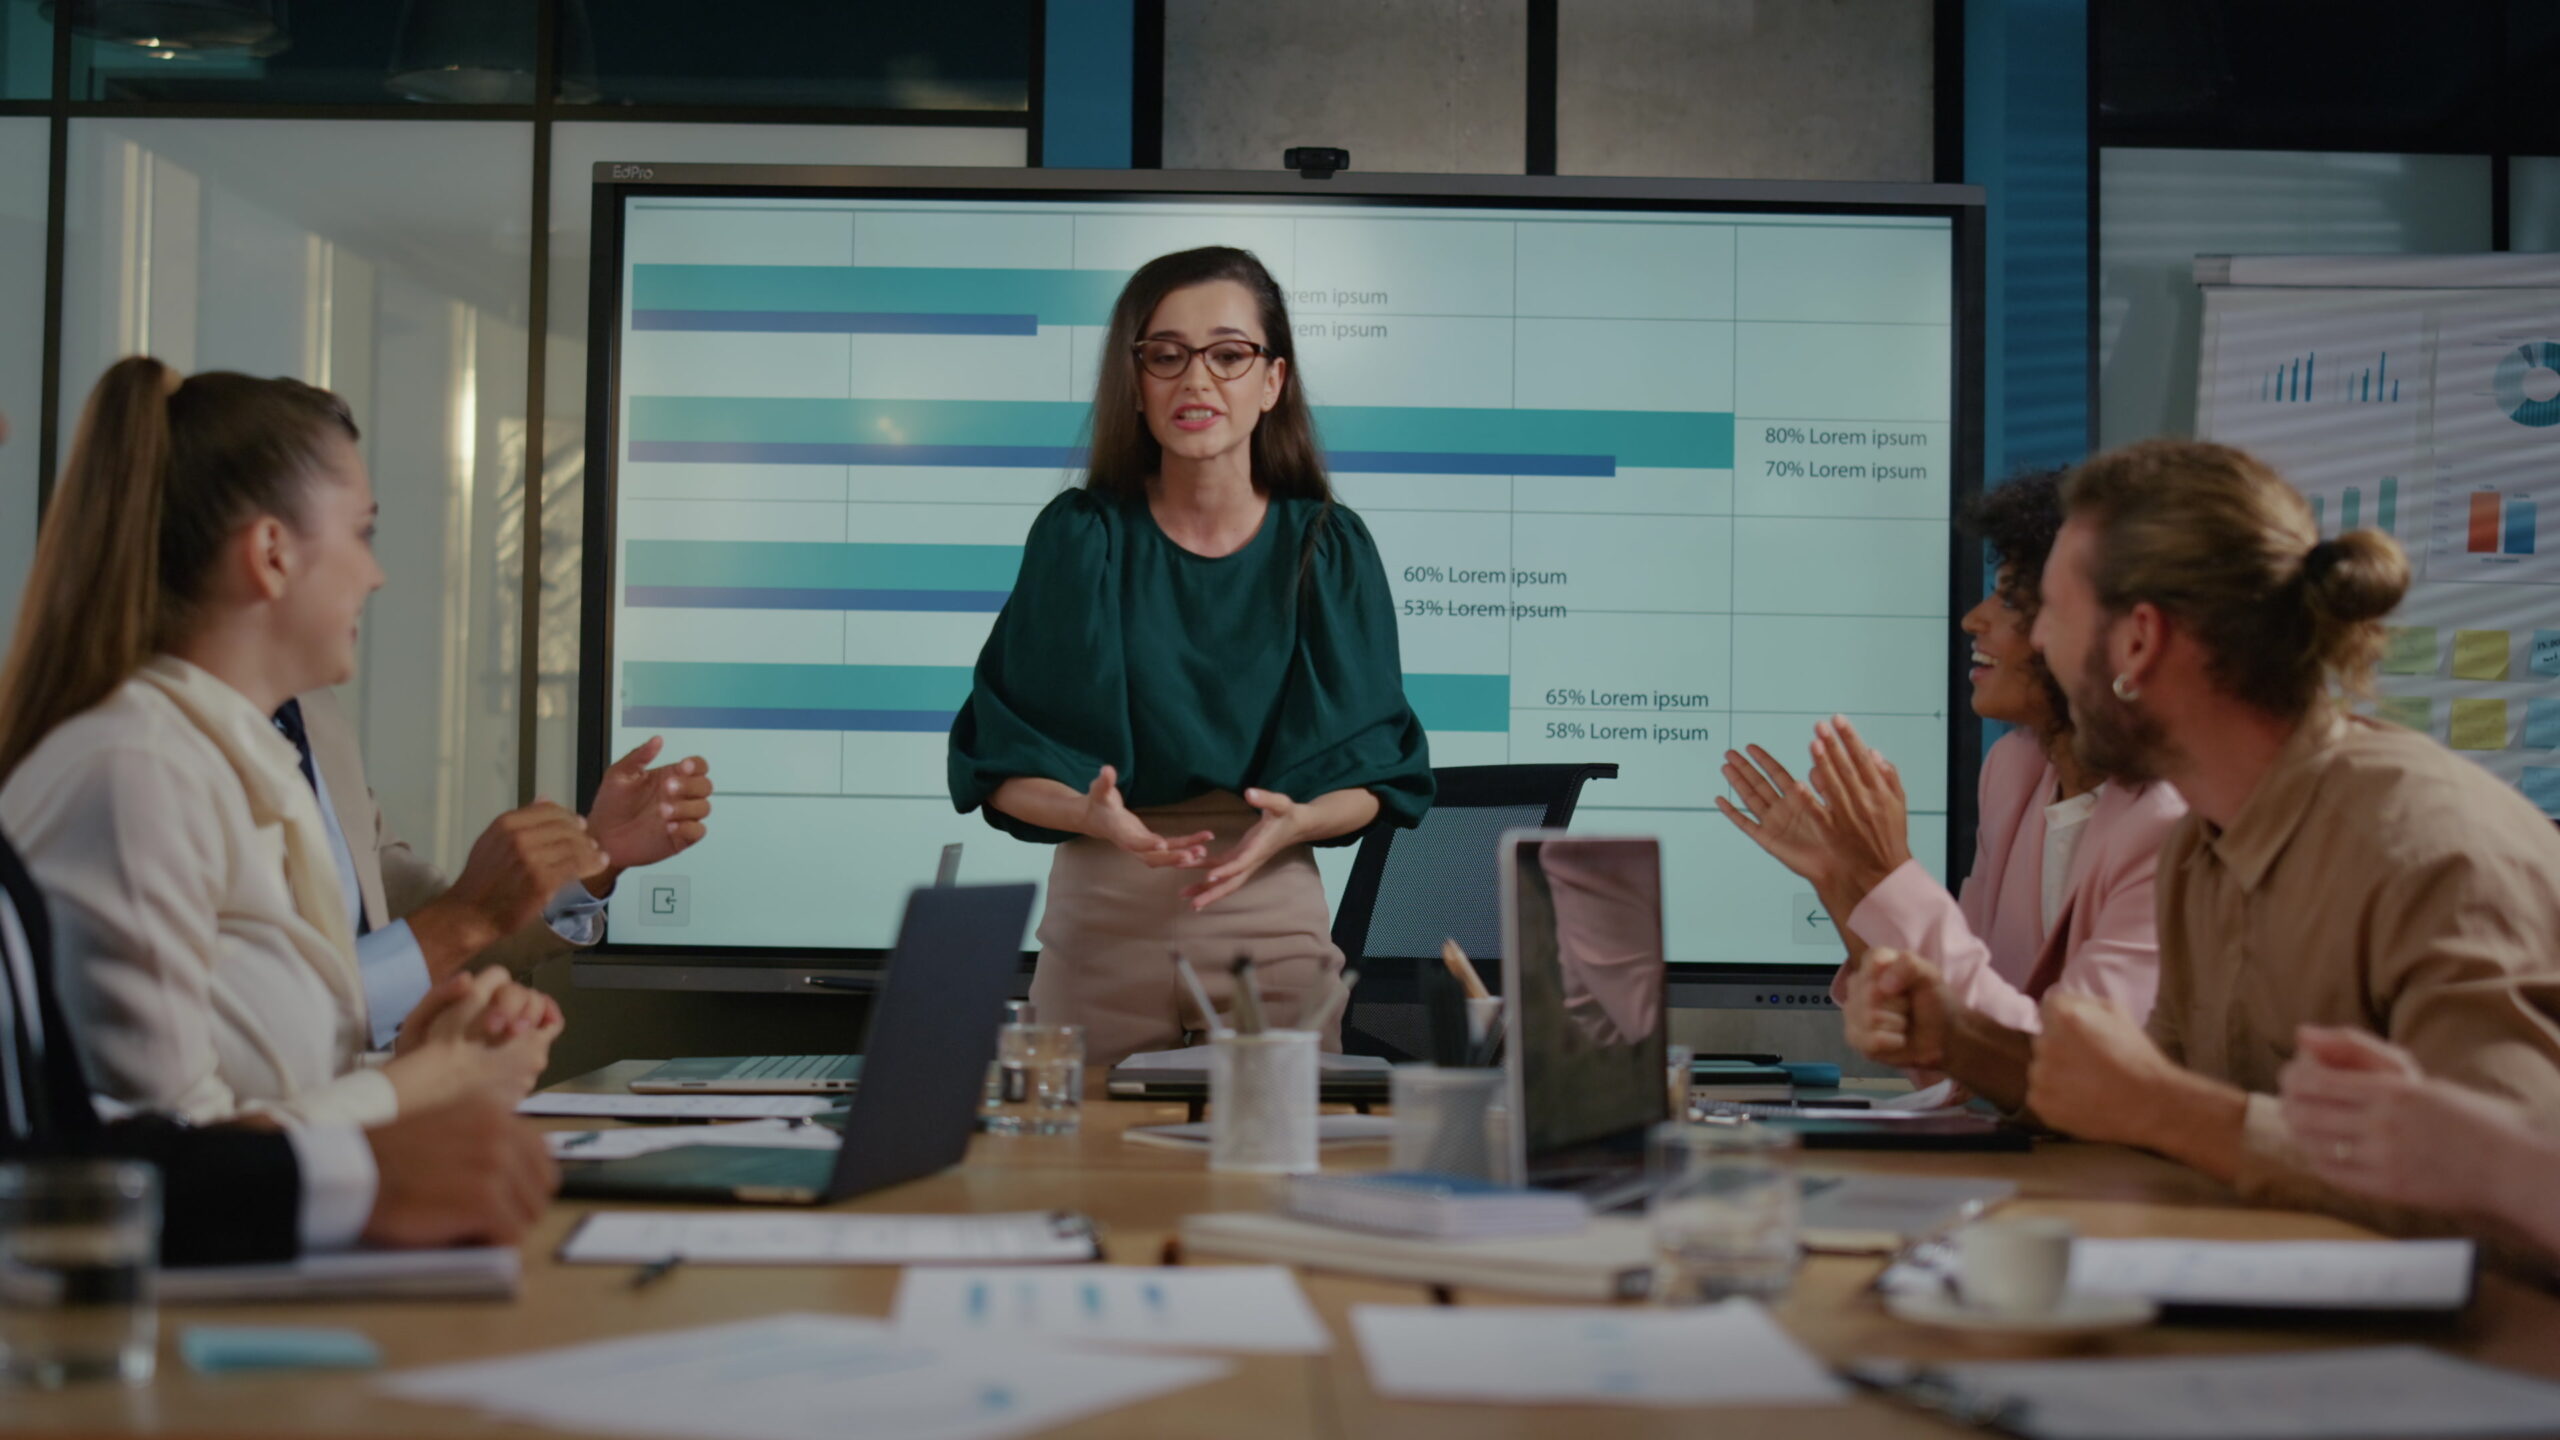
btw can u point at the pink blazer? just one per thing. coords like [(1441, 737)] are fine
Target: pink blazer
[(1991, 943)]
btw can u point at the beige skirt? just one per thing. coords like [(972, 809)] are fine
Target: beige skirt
[(1112, 927)]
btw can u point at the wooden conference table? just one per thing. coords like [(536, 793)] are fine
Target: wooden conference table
[(1140, 1194)]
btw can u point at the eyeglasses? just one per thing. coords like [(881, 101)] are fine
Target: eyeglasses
[(1171, 359)]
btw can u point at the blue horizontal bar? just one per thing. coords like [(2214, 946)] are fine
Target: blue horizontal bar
[(726, 717), (834, 322), (1059, 457), (749, 597), (787, 452), (1394, 462)]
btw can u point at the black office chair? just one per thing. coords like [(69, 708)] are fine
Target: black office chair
[(1411, 889)]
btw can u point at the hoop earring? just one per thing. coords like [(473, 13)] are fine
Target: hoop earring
[(2125, 690)]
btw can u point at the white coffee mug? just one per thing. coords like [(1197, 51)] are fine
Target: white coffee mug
[(2014, 1267)]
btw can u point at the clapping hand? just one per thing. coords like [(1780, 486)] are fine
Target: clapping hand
[(1866, 816), (1108, 817), (2367, 1119), (642, 815)]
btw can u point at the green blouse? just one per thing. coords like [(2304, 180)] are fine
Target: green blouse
[(1275, 666)]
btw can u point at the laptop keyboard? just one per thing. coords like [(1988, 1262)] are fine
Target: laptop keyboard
[(798, 1067)]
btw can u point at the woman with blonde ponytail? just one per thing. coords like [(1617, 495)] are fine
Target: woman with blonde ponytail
[(206, 558)]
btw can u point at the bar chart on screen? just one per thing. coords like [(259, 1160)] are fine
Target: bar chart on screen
[(1644, 486)]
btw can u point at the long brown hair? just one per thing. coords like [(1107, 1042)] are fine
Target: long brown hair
[(2217, 540), (161, 474), (1288, 464)]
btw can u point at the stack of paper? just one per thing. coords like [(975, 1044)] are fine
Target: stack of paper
[(624, 1141), (1728, 1354), (642, 1237), (478, 1273), (1219, 1307), (805, 1377)]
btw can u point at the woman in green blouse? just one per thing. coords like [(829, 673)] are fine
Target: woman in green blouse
[(1195, 678)]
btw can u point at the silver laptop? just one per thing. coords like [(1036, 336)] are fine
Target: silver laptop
[(1587, 1024), (774, 1074)]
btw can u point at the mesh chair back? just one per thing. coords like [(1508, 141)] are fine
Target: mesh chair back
[(1410, 889)]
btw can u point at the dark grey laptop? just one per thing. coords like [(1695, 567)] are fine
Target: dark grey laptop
[(933, 1033)]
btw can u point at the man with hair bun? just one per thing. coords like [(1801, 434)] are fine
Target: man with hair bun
[(2332, 870)]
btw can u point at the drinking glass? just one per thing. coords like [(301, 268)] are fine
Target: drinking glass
[(1040, 1080), (1723, 1204), (79, 1240)]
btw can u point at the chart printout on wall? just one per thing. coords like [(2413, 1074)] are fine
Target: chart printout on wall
[(2427, 407)]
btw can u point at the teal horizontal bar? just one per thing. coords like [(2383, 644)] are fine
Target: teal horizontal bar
[(810, 565), (1444, 702), (711, 684), (1654, 439), (1460, 702), (1058, 297)]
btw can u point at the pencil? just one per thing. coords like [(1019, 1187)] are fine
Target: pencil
[(1456, 960)]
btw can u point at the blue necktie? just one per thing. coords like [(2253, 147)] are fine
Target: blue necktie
[(289, 720)]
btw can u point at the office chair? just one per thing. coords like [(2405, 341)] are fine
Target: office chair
[(1411, 889)]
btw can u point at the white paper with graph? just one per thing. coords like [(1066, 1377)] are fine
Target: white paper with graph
[(1646, 484), (2424, 402)]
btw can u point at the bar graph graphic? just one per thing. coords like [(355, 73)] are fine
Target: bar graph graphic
[(2500, 524), (2297, 381), (2351, 512)]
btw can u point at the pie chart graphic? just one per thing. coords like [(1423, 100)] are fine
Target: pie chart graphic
[(2517, 364)]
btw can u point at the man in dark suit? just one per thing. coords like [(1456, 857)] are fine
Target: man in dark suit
[(233, 1194)]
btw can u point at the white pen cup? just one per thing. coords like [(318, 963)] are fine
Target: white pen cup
[(1440, 1120), (2014, 1267), (1483, 1017), (1262, 1102)]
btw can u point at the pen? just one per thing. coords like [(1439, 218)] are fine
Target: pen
[(583, 1137), (1336, 996), (1199, 995), (1248, 998), (653, 1272)]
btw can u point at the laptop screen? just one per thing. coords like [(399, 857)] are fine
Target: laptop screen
[(1584, 963)]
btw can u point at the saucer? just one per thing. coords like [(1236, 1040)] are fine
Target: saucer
[(2075, 1316)]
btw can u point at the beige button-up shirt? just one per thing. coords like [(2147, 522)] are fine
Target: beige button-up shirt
[(2376, 880)]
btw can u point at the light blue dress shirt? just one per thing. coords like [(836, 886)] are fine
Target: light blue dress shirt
[(393, 967)]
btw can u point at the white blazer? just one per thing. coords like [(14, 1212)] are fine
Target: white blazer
[(201, 940)]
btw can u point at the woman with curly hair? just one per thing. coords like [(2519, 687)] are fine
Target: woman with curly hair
[(2060, 893)]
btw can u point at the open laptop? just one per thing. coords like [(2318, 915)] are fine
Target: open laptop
[(774, 1074), (1587, 1025), (933, 1032)]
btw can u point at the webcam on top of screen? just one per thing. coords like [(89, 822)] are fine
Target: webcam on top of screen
[(1316, 162)]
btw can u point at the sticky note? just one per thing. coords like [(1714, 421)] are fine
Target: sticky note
[(2480, 654), (2542, 787), (2409, 712), (220, 1349), (2479, 725), (2411, 651), (2542, 725), (2546, 653)]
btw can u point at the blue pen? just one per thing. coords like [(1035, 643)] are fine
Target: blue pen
[(978, 1303), (1153, 1294), (1093, 1300)]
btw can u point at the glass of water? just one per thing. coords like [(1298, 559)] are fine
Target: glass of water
[(1039, 1080), (79, 1240), (1723, 1204)]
